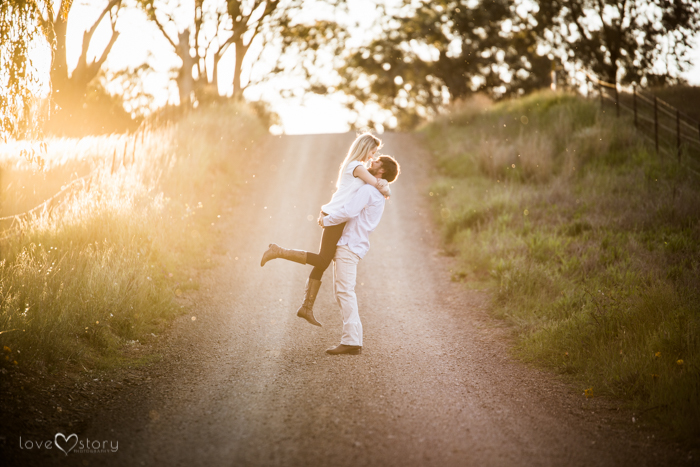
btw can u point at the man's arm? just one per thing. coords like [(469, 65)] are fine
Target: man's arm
[(380, 184), (351, 209)]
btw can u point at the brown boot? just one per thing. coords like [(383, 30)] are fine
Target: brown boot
[(342, 349), (276, 251), (306, 310)]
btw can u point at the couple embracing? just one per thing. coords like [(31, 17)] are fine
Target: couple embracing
[(347, 220)]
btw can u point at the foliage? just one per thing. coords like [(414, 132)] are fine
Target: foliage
[(644, 41), (587, 239), (101, 113), (19, 78), (68, 101), (103, 271), (129, 85), (429, 54), (212, 28), (433, 53), (71, 86)]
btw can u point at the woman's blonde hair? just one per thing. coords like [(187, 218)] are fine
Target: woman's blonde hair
[(359, 148)]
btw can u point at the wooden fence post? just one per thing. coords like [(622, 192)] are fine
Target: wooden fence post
[(634, 103), (656, 125), (678, 134), (617, 102)]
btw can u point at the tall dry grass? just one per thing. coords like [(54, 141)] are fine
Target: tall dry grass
[(589, 241), (102, 266)]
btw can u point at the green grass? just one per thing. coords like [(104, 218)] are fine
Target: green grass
[(105, 268), (589, 241)]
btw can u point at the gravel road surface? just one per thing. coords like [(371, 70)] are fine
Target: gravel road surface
[(248, 383)]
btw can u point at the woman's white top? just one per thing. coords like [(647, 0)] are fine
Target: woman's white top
[(349, 184)]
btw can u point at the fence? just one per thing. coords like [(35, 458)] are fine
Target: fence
[(12, 226), (18, 221), (672, 132)]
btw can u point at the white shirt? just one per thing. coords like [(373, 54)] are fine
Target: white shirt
[(349, 184), (362, 214)]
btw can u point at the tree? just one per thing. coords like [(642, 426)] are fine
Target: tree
[(183, 31), (438, 51), (203, 36), (70, 88), (630, 41), (19, 79)]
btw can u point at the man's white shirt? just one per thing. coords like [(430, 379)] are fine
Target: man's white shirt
[(362, 213)]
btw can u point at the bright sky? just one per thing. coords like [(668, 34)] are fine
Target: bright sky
[(141, 41)]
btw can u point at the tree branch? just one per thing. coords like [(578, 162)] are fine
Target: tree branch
[(98, 63), (162, 28), (87, 35)]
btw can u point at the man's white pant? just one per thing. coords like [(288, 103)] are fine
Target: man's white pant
[(344, 278)]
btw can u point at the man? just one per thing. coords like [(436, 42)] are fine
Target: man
[(362, 214)]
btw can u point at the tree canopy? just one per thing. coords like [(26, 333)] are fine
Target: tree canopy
[(203, 32), (436, 51), (630, 41), (419, 56), (20, 79), (429, 53)]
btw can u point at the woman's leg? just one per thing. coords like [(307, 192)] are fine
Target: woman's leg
[(329, 241)]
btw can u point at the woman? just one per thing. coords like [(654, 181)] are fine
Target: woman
[(352, 175)]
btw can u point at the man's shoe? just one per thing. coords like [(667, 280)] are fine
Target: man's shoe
[(276, 251), (342, 349), (306, 310)]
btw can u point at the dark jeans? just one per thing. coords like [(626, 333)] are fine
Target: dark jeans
[(329, 242)]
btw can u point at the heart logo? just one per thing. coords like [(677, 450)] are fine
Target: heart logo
[(65, 440)]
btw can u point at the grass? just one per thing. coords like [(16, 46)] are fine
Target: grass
[(589, 241), (104, 268)]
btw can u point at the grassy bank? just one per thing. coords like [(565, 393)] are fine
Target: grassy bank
[(103, 266), (589, 241)]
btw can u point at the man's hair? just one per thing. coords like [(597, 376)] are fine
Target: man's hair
[(391, 168)]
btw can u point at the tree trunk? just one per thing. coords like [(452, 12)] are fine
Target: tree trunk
[(215, 73), (185, 81), (70, 91), (240, 55), (59, 71)]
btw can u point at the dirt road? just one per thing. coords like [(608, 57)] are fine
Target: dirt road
[(248, 383)]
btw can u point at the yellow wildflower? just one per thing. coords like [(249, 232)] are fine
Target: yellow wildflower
[(679, 362), (657, 354), (588, 392), (6, 348)]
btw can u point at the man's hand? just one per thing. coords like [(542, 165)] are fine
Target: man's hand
[(320, 220), (383, 187)]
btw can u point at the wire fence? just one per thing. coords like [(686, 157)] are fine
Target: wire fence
[(672, 132), (15, 225), (18, 222)]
